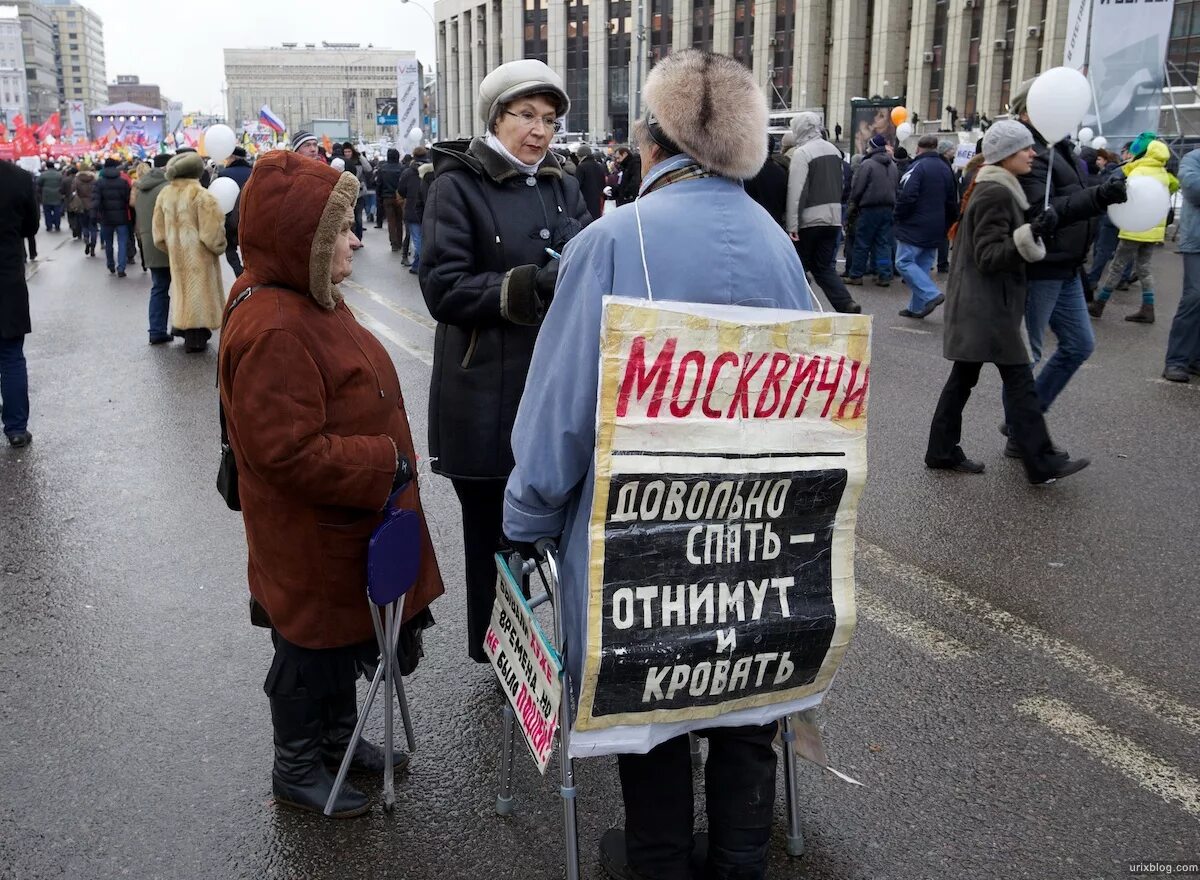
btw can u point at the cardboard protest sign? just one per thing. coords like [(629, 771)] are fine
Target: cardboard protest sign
[(963, 154), (731, 453), (528, 667)]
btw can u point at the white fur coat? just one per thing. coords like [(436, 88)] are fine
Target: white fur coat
[(189, 226)]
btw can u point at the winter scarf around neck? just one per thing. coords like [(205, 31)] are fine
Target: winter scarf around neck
[(673, 170), (495, 143)]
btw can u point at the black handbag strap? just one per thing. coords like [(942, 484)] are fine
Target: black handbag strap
[(241, 298)]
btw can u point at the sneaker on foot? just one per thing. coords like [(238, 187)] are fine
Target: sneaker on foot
[(905, 313)]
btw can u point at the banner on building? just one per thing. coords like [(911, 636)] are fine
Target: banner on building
[(385, 112), (1079, 16), (77, 121), (731, 453), (1125, 66), (408, 96)]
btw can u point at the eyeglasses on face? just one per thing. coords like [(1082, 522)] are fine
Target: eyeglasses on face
[(529, 120)]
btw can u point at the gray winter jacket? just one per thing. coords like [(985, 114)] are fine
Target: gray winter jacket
[(814, 195), (875, 182)]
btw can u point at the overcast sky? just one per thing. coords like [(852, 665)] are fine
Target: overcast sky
[(178, 47)]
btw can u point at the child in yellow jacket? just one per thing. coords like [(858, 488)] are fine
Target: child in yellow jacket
[(1138, 247)]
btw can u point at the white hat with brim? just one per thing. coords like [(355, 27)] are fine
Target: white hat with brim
[(519, 79)]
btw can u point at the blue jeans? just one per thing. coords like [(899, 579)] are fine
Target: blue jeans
[(87, 224), (1183, 345), (53, 215), (160, 302), (106, 235), (1060, 306), (873, 237), (414, 235), (914, 264), (370, 203), (14, 385)]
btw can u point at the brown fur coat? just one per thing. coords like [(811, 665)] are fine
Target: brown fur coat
[(189, 226)]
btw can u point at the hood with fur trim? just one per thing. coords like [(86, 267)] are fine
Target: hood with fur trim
[(710, 106), (186, 165), (292, 210)]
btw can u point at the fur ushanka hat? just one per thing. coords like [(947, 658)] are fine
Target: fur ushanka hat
[(710, 106)]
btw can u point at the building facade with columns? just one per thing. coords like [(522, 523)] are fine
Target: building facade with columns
[(806, 54)]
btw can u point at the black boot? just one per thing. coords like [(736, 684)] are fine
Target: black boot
[(299, 779), (341, 715)]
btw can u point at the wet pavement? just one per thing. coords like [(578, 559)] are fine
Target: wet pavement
[(1021, 698)]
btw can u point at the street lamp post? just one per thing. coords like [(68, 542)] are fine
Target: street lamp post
[(433, 23)]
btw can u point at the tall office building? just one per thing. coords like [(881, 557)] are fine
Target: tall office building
[(12, 68), (41, 69), (80, 39), (130, 89), (303, 82), (806, 54)]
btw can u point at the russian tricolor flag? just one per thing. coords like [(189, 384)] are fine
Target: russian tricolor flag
[(270, 120)]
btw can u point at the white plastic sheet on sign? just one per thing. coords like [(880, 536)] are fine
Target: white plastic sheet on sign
[(1146, 206), (730, 456)]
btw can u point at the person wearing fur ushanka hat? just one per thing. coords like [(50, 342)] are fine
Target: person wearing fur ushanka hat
[(498, 207), (190, 226), (985, 307), (316, 421), (706, 241)]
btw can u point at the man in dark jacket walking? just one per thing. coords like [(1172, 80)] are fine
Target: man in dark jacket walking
[(872, 200), (590, 174), (110, 201), (414, 203), (1054, 292), (926, 206), (630, 164), (238, 170), (147, 189), (387, 190), (813, 207), (18, 221)]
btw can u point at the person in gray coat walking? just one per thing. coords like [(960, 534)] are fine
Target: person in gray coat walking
[(985, 305)]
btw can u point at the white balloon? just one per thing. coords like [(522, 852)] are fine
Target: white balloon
[(415, 136), (1057, 102), (338, 164), (1099, 143), (904, 131), (225, 191), (219, 141), (1145, 208), (1085, 135)]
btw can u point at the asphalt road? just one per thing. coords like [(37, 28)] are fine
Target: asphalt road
[(1021, 700)]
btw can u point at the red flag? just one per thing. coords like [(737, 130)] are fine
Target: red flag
[(18, 122), (51, 126)]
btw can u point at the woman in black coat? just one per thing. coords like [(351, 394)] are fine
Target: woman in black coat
[(985, 305), (497, 207)]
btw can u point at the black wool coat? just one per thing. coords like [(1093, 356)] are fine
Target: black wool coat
[(985, 298), (18, 221), (590, 175), (486, 227), (110, 198)]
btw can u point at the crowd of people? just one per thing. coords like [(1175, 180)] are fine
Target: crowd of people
[(515, 243)]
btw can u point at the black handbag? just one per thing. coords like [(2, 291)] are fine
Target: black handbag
[(227, 474)]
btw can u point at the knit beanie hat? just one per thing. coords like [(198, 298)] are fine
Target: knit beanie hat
[(302, 137), (711, 108), (161, 159), (393, 155), (519, 79), (877, 142), (1017, 103), (945, 145), (1005, 138), (1138, 148)]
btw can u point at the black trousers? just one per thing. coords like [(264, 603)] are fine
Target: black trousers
[(739, 791), (817, 248), (1026, 424), (231, 254), (483, 534)]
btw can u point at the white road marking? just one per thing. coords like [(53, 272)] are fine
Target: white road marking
[(382, 329), (1117, 752), (408, 314), (899, 623), (912, 330), (1111, 679), (1187, 386)]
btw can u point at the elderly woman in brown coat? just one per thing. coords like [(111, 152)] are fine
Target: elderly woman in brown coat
[(318, 428), (189, 225), (985, 305)]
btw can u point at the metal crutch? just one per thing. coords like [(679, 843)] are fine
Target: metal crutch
[(795, 834)]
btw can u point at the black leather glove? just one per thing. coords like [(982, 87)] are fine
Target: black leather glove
[(1113, 191), (544, 281), (1044, 223)]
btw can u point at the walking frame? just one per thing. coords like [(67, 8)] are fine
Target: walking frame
[(504, 798)]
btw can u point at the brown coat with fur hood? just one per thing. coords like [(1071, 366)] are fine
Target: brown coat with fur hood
[(314, 410), (189, 226)]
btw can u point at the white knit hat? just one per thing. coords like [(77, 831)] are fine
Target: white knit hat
[(1003, 139), (517, 79)]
